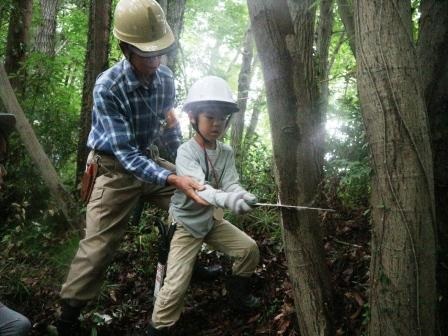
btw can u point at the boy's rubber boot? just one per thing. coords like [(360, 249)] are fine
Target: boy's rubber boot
[(239, 295), (206, 273), (157, 332), (68, 328)]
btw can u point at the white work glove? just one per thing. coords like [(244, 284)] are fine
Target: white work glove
[(234, 201), (250, 199)]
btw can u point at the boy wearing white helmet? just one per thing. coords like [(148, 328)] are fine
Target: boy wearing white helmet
[(209, 105)]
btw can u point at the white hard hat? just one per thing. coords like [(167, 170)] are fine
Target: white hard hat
[(210, 90)]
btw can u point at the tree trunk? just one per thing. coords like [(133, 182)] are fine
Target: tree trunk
[(250, 131), (96, 62), (175, 17), (45, 39), (286, 57), (63, 198), (244, 80), (402, 273), (432, 49), (18, 33), (346, 14)]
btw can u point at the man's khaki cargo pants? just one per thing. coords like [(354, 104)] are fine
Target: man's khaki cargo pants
[(114, 196)]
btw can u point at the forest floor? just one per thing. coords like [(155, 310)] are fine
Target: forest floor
[(125, 304)]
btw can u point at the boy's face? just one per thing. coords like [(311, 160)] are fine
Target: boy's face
[(212, 123)]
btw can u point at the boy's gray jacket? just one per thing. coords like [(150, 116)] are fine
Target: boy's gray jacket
[(190, 161)]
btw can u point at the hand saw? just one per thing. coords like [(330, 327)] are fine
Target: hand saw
[(298, 207)]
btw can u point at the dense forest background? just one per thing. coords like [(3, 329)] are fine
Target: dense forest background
[(344, 106)]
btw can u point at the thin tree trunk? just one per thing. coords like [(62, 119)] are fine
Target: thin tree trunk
[(63, 198), (286, 57), (251, 128), (96, 62), (402, 273), (432, 54), (346, 14), (244, 80), (18, 36), (45, 39)]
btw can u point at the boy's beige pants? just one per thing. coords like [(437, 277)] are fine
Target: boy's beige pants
[(113, 198), (184, 248)]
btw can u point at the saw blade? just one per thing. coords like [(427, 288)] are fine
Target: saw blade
[(298, 207)]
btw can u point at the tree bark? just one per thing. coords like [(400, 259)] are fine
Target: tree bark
[(45, 39), (244, 79), (431, 49), (346, 14), (62, 197), (175, 17), (402, 280), (286, 57), (18, 36), (96, 62)]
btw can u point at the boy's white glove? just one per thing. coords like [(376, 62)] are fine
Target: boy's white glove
[(236, 201), (250, 199)]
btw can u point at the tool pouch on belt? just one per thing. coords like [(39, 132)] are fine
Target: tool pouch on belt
[(88, 180)]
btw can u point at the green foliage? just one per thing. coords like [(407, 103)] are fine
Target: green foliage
[(257, 176), (257, 171), (5, 10), (33, 250), (342, 61), (211, 40), (51, 102), (347, 166)]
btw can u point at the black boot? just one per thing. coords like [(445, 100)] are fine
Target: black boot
[(206, 273), (157, 332), (240, 298), (68, 328), (68, 324)]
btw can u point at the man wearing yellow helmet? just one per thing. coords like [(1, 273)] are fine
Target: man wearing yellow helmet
[(132, 109)]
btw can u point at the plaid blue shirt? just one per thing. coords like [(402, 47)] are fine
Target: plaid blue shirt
[(127, 117)]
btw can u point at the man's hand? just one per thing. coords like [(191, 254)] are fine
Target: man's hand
[(188, 186), (171, 119)]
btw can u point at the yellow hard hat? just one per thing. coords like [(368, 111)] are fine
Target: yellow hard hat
[(142, 24)]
